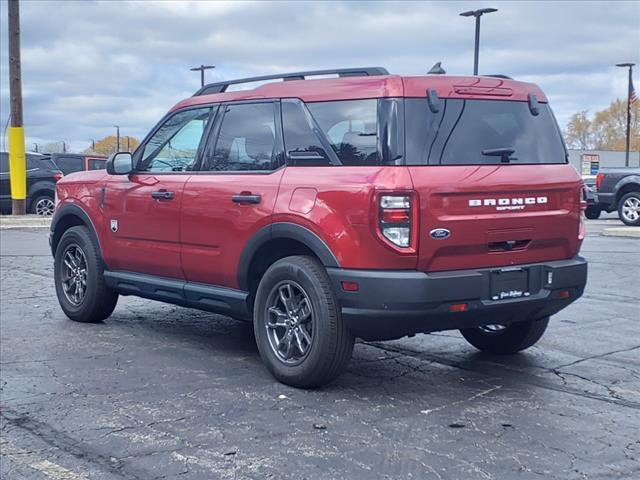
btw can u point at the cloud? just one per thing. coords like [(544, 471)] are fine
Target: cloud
[(90, 65)]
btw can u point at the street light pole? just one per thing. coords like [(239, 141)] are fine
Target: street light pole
[(117, 138), (201, 69), (477, 14), (626, 152)]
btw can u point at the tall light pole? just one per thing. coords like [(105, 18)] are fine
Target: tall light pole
[(477, 14), (117, 138), (630, 67), (201, 69)]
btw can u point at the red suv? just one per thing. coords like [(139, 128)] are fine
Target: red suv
[(366, 205)]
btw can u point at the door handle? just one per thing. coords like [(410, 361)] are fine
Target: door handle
[(246, 198), (162, 195)]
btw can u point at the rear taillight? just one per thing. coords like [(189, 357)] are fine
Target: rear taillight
[(599, 179), (397, 220), (57, 176), (583, 198), (583, 207)]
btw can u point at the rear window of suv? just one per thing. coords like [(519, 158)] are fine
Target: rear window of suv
[(479, 132)]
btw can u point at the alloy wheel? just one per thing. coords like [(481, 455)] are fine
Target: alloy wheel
[(44, 207), (289, 322), (74, 274), (631, 209)]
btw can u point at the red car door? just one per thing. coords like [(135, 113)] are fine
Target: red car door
[(142, 210), (234, 194)]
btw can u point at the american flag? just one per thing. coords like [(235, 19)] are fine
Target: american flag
[(632, 92)]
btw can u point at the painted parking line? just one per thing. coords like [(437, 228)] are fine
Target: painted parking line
[(48, 468)]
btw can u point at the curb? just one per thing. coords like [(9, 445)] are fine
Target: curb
[(8, 222), (633, 232)]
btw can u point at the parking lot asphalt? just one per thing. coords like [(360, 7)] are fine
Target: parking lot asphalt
[(159, 391)]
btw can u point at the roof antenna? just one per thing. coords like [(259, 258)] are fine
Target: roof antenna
[(436, 69)]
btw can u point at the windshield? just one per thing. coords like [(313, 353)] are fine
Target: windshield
[(480, 132)]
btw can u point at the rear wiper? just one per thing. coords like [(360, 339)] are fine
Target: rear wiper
[(504, 153)]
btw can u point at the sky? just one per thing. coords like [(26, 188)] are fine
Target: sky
[(90, 65)]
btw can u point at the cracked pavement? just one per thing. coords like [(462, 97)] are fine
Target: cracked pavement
[(159, 391)]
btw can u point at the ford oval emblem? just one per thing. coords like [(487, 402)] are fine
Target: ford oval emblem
[(439, 233)]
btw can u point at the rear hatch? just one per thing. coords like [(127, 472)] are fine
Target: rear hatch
[(493, 184)]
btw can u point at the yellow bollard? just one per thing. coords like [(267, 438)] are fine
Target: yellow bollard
[(17, 163)]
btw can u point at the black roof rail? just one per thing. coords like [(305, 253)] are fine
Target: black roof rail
[(499, 75), (220, 87)]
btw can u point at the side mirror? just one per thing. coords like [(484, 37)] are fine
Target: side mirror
[(120, 163)]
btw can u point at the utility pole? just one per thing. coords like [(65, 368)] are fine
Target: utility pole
[(17, 162), (629, 92), (117, 138), (93, 145), (201, 69), (36, 145), (128, 144), (477, 14), (64, 147)]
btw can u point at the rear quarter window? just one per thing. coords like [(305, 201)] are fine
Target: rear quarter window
[(464, 132)]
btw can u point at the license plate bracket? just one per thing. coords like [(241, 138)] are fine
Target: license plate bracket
[(509, 283)]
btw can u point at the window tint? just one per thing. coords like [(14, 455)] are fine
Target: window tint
[(462, 129), (174, 146), (69, 164), (301, 142), (97, 164), (40, 161), (4, 163), (246, 139), (351, 127)]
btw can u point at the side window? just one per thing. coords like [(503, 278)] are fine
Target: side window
[(351, 127), (69, 164), (4, 163), (246, 139), (96, 164), (174, 146), (302, 145)]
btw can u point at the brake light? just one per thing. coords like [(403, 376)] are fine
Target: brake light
[(599, 179), (396, 220), (57, 176), (583, 198)]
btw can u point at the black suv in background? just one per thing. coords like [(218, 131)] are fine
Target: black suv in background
[(619, 189), (74, 162), (42, 175)]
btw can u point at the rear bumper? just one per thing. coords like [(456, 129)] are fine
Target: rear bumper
[(392, 304), (605, 200)]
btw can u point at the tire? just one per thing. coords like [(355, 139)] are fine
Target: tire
[(507, 340), (43, 205), (327, 354), (629, 209), (98, 301), (592, 213)]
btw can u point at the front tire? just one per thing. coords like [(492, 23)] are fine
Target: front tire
[(298, 327), (78, 271), (629, 209), (506, 339)]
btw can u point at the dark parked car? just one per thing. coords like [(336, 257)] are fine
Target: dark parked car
[(619, 189), (72, 162), (42, 175), (594, 209)]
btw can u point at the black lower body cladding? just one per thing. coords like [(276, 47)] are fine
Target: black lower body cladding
[(392, 304)]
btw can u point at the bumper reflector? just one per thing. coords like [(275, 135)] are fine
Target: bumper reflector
[(564, 294), (350, 286), (458, 307)]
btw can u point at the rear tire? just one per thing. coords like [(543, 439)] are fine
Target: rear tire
[(43, 205), (629, 209), (592, 213), (511, 339), (79, 277), (295, 293)]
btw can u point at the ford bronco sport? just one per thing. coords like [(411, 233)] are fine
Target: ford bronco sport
[(365, 205)]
